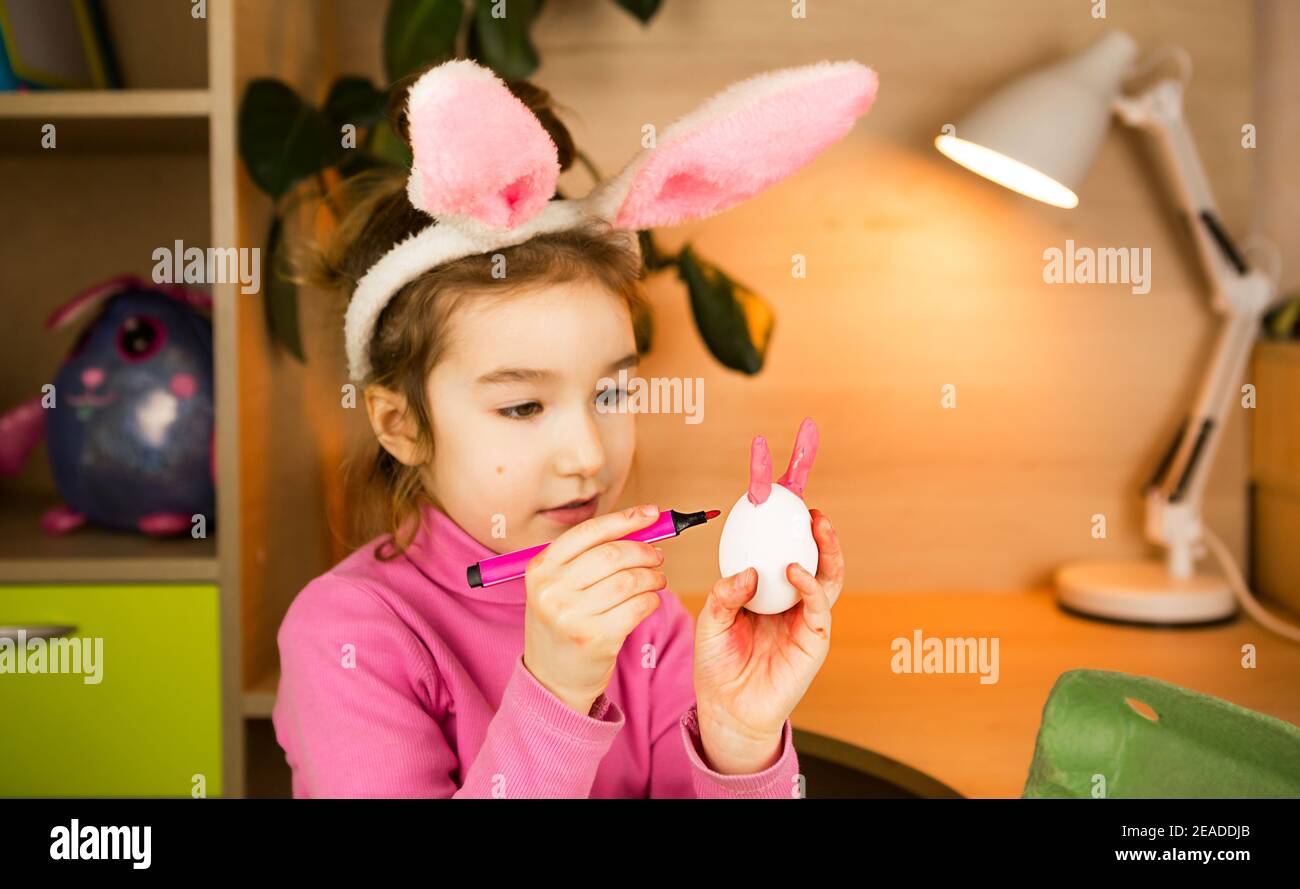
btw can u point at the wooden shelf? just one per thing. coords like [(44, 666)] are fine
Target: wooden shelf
[(259, 699), (105, 136), (29, 555), (105, 122), (58, 104)]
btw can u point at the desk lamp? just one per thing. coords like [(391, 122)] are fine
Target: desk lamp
[(1038, 136)]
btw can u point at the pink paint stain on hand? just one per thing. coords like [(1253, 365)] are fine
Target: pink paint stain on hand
[(795, 478)]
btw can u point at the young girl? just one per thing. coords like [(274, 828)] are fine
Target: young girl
[(586, 677)]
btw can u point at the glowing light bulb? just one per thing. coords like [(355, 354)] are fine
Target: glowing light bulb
[(1012, 174)]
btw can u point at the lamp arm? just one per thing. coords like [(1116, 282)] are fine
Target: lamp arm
[(1239, 293), (1159, 111)]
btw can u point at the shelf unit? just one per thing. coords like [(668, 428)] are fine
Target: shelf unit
[(93, 554), (132, 168), (157, 161), (107, 121), (130, 104)]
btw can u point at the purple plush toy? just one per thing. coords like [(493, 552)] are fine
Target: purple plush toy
[(130, 427)]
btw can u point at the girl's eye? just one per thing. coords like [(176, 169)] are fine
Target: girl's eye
[(520, 411), (611, 397)]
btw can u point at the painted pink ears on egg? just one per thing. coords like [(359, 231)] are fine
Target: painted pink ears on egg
[(760, 471), (806, 442), (477, 149), (741, 141), (795, 479)]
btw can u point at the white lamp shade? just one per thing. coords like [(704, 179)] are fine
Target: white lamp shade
[(1039, 135)]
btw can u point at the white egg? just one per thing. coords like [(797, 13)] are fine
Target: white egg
[(768, 537)]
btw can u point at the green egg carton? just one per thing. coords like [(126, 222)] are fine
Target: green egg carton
[(1107, 734)]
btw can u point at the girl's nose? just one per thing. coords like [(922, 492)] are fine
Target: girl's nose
[(92, 377), (582, 453)]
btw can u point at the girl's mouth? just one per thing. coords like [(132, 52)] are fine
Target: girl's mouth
[(574, 512)]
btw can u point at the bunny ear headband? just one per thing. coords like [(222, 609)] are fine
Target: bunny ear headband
[(485, 170)]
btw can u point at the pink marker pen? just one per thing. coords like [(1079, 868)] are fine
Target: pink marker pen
[(509, 566)]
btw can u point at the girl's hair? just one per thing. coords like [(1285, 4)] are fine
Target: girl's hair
[(411, 334)]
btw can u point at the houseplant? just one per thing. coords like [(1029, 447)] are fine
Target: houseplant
[(294, 150)]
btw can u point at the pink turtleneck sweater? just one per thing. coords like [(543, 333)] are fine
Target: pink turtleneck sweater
[(397, 679)]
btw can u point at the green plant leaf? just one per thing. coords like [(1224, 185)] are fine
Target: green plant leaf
[(281, 294), (359, 161), (642, 9), (355, 100), (504, 44), (388, 146), (282, 139), (735, 323), (651, 256), (418, 33)]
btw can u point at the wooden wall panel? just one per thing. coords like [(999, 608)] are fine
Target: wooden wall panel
[(920, 274), (284, 454)]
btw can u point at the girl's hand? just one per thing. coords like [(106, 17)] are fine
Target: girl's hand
[(585, 593), (751, 669)]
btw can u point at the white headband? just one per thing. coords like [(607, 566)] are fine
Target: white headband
[(485, 169)]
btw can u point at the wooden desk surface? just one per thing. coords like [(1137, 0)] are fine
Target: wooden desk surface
[(979, 739)]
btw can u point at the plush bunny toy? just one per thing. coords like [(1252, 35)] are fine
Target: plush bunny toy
[(129, 423)]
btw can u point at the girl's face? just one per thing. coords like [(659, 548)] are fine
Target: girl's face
[(518, 429)]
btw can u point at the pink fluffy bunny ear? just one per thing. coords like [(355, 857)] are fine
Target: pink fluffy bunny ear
[(478, 151), (749, 136)]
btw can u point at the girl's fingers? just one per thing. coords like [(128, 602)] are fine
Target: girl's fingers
[(617, 589), (726, 599), (607, 559), (816, 604), (595, 531), (830, 558), (622, 619)]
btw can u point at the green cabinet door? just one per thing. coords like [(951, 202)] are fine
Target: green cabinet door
[(141, 716)]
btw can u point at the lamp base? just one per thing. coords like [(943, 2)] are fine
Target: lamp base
[(1142, 591)]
